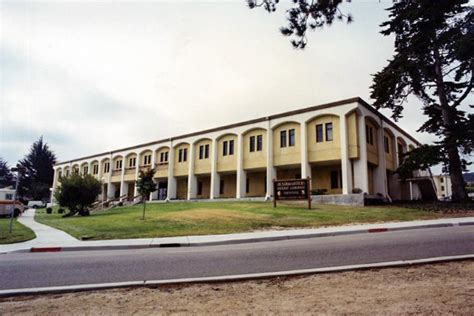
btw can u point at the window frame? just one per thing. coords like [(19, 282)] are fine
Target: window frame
[(259, 142), (231, 147), (252, 144), (291, 137), (329, 131), (283, 139), (319, 137)]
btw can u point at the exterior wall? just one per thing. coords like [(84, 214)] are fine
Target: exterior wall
[(256, 159), (202, 166), (321, 180), (228, 162), (390, 163), (443, 186), (181, 168), (256, 181), (287, 155), (361, 165), (325, 150), (206, 187), (161, 167)]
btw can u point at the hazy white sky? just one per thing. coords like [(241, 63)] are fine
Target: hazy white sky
[(100, 75)]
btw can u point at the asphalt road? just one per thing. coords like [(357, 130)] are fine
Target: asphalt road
[(24, 270)]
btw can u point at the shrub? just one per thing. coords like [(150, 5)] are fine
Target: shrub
[(319, 192), (60, 210), (356, 191), (77, 193), (49, 210)]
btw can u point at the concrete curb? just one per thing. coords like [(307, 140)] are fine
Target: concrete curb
[(227, 278), (189, 242)]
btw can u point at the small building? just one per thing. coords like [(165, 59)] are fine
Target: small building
[(7, 193), (443, 186)]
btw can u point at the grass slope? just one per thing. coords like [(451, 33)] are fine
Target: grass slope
[(19, 232), (202, 218)]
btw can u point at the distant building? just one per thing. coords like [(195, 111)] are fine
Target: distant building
[(7, 193), (443, 186)]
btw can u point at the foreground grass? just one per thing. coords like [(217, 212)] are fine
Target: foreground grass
[(203, 218), (19, 232)]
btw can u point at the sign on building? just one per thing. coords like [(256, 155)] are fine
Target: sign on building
[(292, 190)]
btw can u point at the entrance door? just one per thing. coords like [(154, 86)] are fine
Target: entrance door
[(131, 189), (162, 190)]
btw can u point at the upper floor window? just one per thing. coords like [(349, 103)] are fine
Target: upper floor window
[(252, 143), (386, 143), (8, 196), (319, 133), (107, 167), (95, 169), (59, 174), (259, 142), (329, 135), (67, 173), (85, 170), (183, 155), (118, 164), (369, 134), (441, 180), (132, 162), (282, 139), (228, 148), (231, 147), (164, 157), (147, 160), (204, 151), (291, 137)]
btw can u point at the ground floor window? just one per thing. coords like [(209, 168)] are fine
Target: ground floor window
[(199, 189), (221, 187)]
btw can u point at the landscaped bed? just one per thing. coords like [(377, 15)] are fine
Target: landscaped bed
[(203, 218), (19, 232)]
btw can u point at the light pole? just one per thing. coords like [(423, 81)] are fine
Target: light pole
[(18, 175)]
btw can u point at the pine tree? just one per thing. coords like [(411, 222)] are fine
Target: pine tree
[(434, 60), (6, 176), (37, 178)]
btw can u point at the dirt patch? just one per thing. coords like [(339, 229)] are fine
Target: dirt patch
[(431, 289), (211, 214)]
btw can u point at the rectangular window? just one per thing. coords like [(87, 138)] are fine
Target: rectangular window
[(86, 170), (328, 132), (334, 179), (319, 133), (291, 137), (199, 191), (95, 169), (180, 155), (118, 164), (162, 157), (259, 143), (224, 148), (252, 143), (441, 180), (369, 134), (221, 187), (231, 147), (247, 185), (201, 152), (185, 154), (166, 156), (386, 144), (147, 160), (132, 162), (8, 196), (206, 151), (106, 167), (283, 139), (442, 188)]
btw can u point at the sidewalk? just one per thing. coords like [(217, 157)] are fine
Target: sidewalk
[(51, 239)]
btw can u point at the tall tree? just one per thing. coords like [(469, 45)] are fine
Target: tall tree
[(6, 176), (434, 60), (38, 174)]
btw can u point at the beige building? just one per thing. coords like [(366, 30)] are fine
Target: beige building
[(443, 186), (344, 147)]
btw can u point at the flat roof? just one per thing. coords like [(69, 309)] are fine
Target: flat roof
[(261, 119)]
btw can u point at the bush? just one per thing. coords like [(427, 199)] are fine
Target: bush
[(49, 210), (60, 210), (356, 191), (77, 193), (319, 192)]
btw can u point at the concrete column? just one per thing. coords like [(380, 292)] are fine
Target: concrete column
[(361, 172), (110, 193), (171, 191), (305, 166), (380, 172), (345, 161), (271, 172), (123, 189), (215, 177), (153, 166), (192, 180), (241, 174), (137, 169)]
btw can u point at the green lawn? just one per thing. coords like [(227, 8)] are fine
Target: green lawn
[(19, 232), (202, 218)]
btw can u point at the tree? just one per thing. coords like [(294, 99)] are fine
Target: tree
[(77, 193), (145, 186), (6, 176), (434, 60), (38, 175)]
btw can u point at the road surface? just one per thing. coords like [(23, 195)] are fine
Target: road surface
[(24, 270)]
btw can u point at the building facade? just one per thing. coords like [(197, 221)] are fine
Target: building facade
[(344, 147)]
